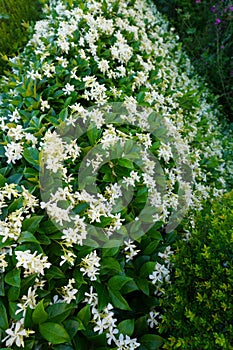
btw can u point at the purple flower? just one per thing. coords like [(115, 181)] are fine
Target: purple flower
[(212, 9), (218, 20), (198, 1), (231, 8)]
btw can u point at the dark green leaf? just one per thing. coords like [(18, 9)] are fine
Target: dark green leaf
[(54, 333), (2, 180), (117, 282), (126, 163), (27, 237), (3, 316), (143, 285), (85, 315), (126, 327), (118, 300), (73, 326), (13, 278), (58, 312), (147, 268), (13, 293), (110, 264), (39, 314), (31, 224), (31, 155), (54, 272), (151, 341)]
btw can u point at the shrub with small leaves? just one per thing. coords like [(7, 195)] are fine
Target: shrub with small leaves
[(198, 306)]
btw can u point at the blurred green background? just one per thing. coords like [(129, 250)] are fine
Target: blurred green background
[(15, 16)]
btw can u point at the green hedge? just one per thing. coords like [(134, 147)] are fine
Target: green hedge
[(14, 15), (198, 308)]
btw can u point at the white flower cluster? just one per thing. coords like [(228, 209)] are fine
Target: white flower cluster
[(161, 273), (11, 225), (32, 263), (106, 323), (16, 334), (90, 265)]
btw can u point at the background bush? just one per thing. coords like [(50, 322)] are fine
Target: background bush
[(14, 15), (198, 308), (206, 30)]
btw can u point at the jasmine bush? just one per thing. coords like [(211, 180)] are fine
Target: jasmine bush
[(198, 307), (205, 29), (106, 134)]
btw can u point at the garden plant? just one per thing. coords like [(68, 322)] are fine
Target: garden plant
[(110, 144), (15, 16), (206, 31)]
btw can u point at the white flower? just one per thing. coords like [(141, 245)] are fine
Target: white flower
[(68, 89), (165, 152), (28, 300), (91, 297), (32, 263), (160, 274), (103, 66), (130, 250), (90, 265), (16, 133), (13, 152), (69, 292), (152, 320), (44, 105), (3, 262), (126, 343), (15, 116), (16, 334)]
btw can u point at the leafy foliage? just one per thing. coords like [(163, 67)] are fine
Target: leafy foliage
[(14, 25), (205, 29), (62, 286), (198, 307)]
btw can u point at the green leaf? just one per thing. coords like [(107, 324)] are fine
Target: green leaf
[(126, 327), (2, 180), (85, 315), (13, 293), (147, 268), (103, 296), (2, 288), (13, 278), (93, 134), (126, 163), (54, 333), (27, 237), (117, 282), (151, 341), (110, 265), (3, 316), (39, 314), (15, 205), (58, 312), (31, 224), (151, 247), (14, 179), (118, 300), (54, 272), (31, 155), (73, 326), (143, 285)]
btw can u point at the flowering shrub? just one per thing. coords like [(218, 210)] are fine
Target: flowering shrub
[(198, 304), (107, 137)]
